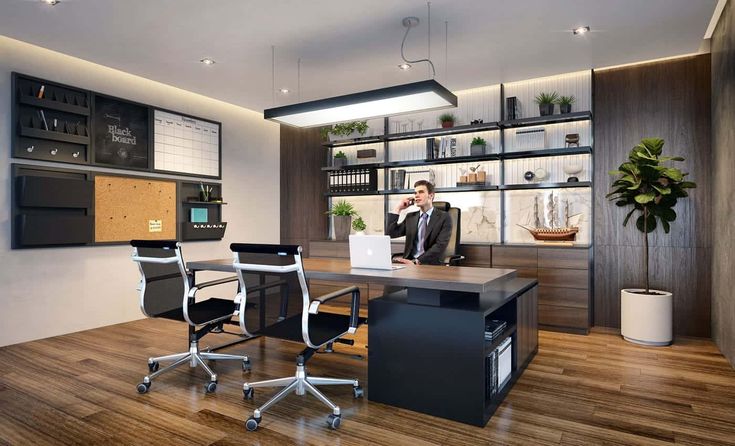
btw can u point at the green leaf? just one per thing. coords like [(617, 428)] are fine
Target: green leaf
[(650, 221), (665, 225), (654, 145), (662, 190), (674, 174), (627, 217), (667, 215), (671, 158), (645, 198), (688, 185)]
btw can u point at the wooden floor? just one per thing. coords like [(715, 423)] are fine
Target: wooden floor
[(579, 390)]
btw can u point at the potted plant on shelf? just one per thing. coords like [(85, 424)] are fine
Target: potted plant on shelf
[(359, 226), (546, 103), (477, 146), (447, 120), (652, 189), (345, 130), (342, 212), (565, 103), (340, 160)]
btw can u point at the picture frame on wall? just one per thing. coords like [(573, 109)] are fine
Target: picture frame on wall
[(121, 133)]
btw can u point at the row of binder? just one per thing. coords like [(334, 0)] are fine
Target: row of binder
[(353, 180)]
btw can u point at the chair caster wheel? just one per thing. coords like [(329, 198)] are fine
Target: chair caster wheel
[(357, 392), (252, 423), (248, 393), (211, 387), (333, 421), (143, 387), (246, 366), (153, 366)]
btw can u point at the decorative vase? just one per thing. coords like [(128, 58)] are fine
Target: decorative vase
[(647, 319), (447, 124), (572, 170), (342, 225), (565, 108), (339, 162), (546, 109), (477, 150)]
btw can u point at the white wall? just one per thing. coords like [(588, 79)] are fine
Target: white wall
[(52, 291)]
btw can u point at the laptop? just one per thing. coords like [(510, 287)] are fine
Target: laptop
[(371, 252)]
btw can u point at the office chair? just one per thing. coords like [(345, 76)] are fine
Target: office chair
[(451, 254), (270, 266), (166, 291)]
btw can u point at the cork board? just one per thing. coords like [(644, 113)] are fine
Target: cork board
[(133, 208)]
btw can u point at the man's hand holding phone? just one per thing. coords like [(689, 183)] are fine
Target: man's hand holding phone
[(405, 203)]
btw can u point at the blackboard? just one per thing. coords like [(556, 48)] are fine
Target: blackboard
[(121, 133)]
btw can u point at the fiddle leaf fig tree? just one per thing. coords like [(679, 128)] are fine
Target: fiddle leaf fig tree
[(650, 188)]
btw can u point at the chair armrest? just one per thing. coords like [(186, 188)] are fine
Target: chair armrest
[(199, 286), (354, 306), (454, 260)]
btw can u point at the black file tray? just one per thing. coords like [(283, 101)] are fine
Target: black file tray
[(203, 231), (49, 230), (53, 192)]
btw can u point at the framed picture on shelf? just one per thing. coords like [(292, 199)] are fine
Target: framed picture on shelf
[(120, 133)]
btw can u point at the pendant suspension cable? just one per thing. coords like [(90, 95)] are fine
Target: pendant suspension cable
[(410, 22), (428, 34), (446, 50)]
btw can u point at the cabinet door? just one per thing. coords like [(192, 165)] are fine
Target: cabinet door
[(527, 325)]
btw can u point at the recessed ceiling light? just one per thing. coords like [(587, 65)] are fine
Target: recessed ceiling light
[(51, 2), (581, 30), (207, 61), (284, 90), (404, 66)]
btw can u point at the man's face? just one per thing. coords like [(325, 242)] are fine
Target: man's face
[(422, 197)]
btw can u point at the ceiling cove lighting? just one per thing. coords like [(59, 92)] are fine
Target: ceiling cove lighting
[(390, 101), (207, 61), (582, 30)]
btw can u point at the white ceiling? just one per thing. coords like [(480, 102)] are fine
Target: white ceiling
[(352, 45)]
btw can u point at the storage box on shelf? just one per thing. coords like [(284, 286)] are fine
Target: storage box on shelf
[(52, 120)]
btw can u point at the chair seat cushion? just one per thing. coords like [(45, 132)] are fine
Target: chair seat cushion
[(203, 312), (323, 327)]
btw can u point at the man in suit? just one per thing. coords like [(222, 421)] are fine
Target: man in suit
[(427, 231)]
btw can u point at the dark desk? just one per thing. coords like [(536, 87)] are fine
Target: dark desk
[(427, 347)]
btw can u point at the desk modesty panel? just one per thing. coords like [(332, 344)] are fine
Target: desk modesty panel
[(459, 278)]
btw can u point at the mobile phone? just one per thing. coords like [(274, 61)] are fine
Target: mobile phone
[(411, 201)]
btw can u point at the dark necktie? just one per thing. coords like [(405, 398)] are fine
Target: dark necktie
[(422, 234)]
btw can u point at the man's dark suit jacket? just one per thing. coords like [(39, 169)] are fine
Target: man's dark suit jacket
[(438, 233)]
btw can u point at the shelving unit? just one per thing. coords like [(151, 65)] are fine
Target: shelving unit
[(211, 229), (52, 121)]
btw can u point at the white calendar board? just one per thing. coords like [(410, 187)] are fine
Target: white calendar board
[(184, 144)]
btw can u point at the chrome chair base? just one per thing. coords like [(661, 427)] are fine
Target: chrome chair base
[(194, 357), (299, 384)]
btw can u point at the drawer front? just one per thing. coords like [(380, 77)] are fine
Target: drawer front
[(563, 297), (476, 255), (563, 316), (531, 273), (564, 278), (515, 256), (563, 258)]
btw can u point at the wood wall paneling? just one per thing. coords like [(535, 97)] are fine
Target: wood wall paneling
[(671, 100), (723, 163), (303, 185)]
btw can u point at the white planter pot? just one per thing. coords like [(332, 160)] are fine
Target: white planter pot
[(647, 319)]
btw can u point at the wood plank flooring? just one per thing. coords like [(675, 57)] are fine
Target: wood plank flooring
[(579, 390)]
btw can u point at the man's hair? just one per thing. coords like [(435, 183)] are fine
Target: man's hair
[(429, 185)]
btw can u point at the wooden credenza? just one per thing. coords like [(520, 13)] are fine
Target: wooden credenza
[(564, 275), (565, 282)]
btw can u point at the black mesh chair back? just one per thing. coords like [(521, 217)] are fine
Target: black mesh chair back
[(451, 254), (164, 280)]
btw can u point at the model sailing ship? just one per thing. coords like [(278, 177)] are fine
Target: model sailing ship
[(554, 231)]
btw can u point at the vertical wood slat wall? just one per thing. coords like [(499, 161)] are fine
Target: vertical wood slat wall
[(671, 100), (723, 182)]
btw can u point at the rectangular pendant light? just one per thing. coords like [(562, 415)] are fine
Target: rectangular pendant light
[(389, 101)]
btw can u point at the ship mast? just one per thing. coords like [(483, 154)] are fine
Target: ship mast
[(537, 221)]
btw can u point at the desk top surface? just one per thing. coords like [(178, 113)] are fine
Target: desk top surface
[(457, 278)]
